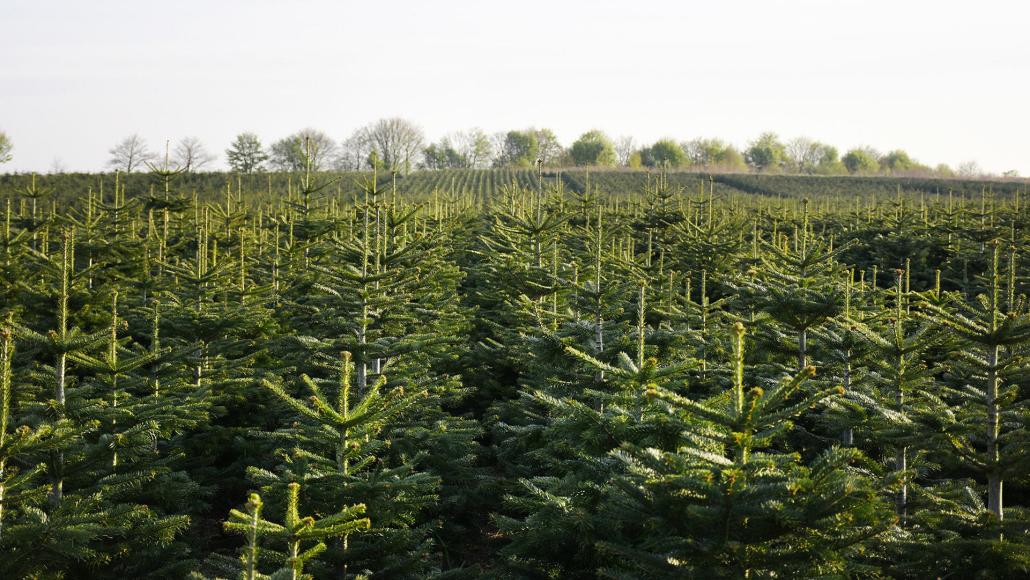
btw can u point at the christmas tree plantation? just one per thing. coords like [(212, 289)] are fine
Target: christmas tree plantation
[(370, 382)]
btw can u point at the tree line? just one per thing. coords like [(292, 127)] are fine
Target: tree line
[(396, 144)]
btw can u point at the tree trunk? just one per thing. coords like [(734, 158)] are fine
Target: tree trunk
[(62, 360), (362, 368), (1, 500), (994, 480), (994, 495), (803, 349), (294, 563), (848, 437), (901, 502), (57, 478), (901, 459), (599, 336)]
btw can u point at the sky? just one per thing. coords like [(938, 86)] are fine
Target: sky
[(945, 80)]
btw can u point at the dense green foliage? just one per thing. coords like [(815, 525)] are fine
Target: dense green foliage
[(664, 153), (513, 373), (593, 148), (861, 161)]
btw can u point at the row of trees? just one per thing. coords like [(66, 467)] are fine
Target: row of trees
[(396, 144), (475, 149), (768, 153), (393, 144), (805, 155), (399, 145)]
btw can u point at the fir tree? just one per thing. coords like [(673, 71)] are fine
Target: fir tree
[(799, 285), (298, 539), (337, 452), (995, 332), (726, 502)]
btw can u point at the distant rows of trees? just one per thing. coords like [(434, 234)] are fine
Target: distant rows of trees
[(769, 154), (397, 144)]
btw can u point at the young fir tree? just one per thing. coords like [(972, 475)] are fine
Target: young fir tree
[(980, 430), (995, 332), (20, 475), (383, 288), (709, 243), (846, 353), (572, 422), (213, 320), (690, 320), (902, 383), (336, 448), (599, 298), (517, 274), (725, 501), (297, 541), (520, 280), (798, 286), (141, 425), (96, 516), (14, 267)]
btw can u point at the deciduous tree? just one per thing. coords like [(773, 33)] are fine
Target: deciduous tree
[(624, 148), (246, 155), (6, 147), (664, 153), (397, 142), (897, 161), (593, 148), (190, 154), (518, 149), (130, 154), (293, 153), (861, 160), (766, 153), (549, 149)]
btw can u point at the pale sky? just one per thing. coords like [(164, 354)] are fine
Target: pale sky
[(945, 80)]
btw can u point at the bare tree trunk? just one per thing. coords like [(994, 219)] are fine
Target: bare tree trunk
[(362, 368), (62, 361), (57, 478), (198, 371), (803, 349), (2, 466), (294, 555), (901, 457), (994, 481), (901, 501), (848, 437)]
